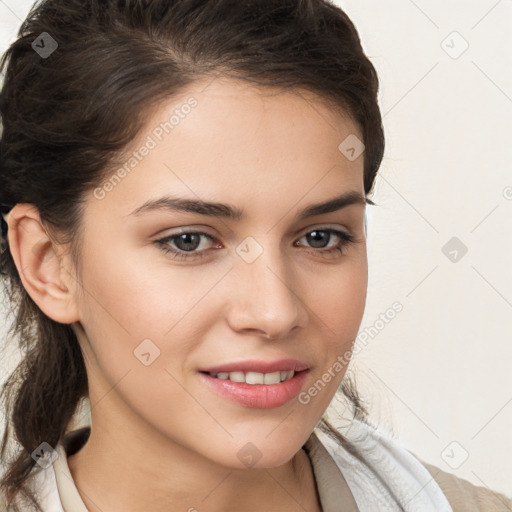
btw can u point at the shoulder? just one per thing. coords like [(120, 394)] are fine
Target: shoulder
[(464, 496)]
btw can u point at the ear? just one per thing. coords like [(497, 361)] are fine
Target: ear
[(43, 268)]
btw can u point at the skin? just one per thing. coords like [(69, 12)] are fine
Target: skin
[(159, 434)]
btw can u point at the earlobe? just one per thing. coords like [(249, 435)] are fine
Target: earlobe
[(40, 264)]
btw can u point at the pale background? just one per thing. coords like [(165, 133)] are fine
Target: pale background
[(438, 375)]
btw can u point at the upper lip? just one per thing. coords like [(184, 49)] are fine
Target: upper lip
[(258, 366)]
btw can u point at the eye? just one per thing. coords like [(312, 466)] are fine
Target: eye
[(186, 242), (187, 245), (319, 237)]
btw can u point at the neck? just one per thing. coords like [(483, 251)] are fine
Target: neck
[(116, 472)]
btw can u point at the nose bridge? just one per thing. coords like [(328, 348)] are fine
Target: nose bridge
[(265, 297)]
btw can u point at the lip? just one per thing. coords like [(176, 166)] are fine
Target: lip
[(258, 396), (258, 366)]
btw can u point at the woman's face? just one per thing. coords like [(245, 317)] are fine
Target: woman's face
[(267, 287)]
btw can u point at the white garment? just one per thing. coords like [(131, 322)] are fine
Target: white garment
[(390, 479)]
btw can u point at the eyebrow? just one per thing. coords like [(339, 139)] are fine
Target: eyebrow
[(226, 211)]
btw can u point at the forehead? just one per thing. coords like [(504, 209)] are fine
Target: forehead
[(232, 141), (224, 103)]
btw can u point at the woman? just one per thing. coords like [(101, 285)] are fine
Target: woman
[(185, 184)]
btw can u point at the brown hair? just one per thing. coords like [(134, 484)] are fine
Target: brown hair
[(68, 115)]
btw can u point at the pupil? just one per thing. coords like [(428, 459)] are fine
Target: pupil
[(186, 238), (316, 236)]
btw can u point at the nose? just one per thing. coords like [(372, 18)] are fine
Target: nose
[(265, 296)]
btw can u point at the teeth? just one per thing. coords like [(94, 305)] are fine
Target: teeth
[(255, 377), (237, 376), (271, 378)]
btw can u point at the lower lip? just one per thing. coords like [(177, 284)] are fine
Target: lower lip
[(258, 396)]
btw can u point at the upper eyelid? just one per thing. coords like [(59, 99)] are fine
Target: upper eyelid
[(305, 230)]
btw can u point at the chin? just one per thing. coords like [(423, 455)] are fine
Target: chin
[(257, 452)]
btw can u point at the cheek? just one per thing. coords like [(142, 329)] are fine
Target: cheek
[(338, 306), (131, 309), (339, 301), (138, 336), (145, 296)]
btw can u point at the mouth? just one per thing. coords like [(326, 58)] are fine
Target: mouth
[(254, 377), (255, 389)]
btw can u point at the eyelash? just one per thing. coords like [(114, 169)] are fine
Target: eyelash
[(346, 239)]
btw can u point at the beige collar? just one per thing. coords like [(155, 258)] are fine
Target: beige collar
[(332, 488)]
